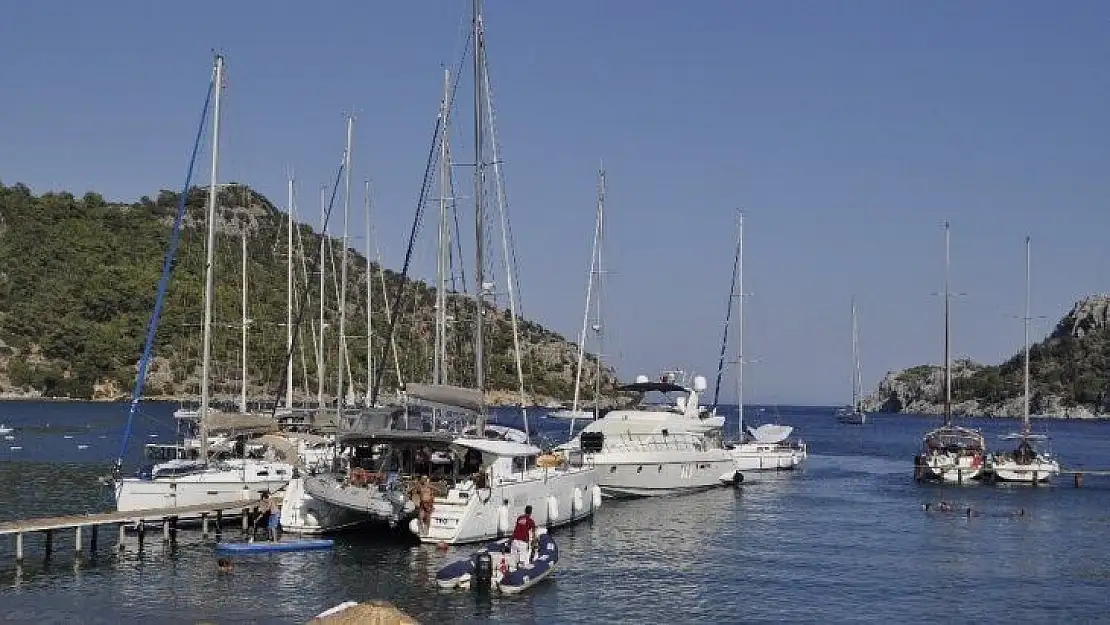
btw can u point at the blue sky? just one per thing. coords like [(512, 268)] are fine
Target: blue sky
[(848, 131)]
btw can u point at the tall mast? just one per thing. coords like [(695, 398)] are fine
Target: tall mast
[(289, 297), (589, 294), (208, 263), (343, 263), (740, 328), (479, 215), (947, 333), (600, 236), (369, 300), (243, 326), (442, 244), (855, 359), (320, 345), (1028, 265)]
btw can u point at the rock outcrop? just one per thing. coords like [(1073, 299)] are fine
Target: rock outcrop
[(1069, 376)]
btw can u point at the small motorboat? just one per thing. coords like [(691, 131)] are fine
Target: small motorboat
[(288, 545), (491, 567)]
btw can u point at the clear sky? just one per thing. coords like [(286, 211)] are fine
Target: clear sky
[(848, 131)]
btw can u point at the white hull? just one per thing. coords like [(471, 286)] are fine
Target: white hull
[(303, 514), (761, 457), (469, 514), (660, 473), (1029, 473), (226, 483), (953, 470)]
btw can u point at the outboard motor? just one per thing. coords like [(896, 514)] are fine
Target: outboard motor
[(483, 572)]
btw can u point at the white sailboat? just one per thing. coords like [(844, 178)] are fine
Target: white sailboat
[(769, 446), (1026, 463), (950, 453), (854, 415), (509, 475), (574, 413), (184, 482)]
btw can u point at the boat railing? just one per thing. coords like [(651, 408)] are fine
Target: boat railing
[(674, 442)]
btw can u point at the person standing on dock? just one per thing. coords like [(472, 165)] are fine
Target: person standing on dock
[(523, 534)]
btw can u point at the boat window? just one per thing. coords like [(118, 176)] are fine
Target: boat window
[(262, 473)]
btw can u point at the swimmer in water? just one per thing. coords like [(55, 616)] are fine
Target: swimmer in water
[(944, 507), (224, 565)]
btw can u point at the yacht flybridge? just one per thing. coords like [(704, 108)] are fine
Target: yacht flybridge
[(656, 447)]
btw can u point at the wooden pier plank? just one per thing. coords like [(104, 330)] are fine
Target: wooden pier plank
[(108, 518)]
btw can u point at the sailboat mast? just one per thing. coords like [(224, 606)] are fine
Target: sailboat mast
[(597, 305), (855, 359), (208, 263), (947, 331), (740, 328), (479, 215), (1028, 266), (442, 243), (243, 325), (289, 297), (322, 269), (369, 300), (343, 263)]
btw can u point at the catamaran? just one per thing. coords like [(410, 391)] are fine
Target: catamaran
[(950, 453), (1026, 463)]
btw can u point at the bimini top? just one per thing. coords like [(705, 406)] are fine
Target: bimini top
[(445, 396), (497, 448), (771, 433), (646, 387)]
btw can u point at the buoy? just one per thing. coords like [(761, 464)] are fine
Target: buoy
[(414, 526), (552, 509), (597, 497), (576, 502), (503, 519)]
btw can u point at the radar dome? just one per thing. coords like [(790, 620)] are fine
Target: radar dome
[(641, 379), (700, 383)]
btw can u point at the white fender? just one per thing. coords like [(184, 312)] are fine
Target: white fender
[(503, 519), (552, 509), (576, 502), (597, 497), (414, 526)]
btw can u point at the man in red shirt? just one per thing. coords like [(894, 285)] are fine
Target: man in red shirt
[(523, 535)]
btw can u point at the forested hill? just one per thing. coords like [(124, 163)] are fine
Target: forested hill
[(78, 280), (1069, 375)]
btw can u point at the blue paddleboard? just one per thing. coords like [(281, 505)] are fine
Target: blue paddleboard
[(290, 545)]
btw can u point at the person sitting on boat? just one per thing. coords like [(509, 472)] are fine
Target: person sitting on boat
[(524, 533), (427, 500)]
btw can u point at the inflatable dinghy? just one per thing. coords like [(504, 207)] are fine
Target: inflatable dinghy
[(289, 545), (491, 567)]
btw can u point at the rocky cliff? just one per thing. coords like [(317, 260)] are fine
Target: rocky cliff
[(78, 280), (1069, 376)]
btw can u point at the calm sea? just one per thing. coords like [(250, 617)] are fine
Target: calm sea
[(844, 540)]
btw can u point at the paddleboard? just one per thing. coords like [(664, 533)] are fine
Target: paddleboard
[(290, 545)]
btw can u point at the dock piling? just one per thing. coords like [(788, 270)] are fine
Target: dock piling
[(246, 519), (1078, 479), (77, 540), (173, 531), (92, 538), (219, 522), (19, 548), (122, 533), (204, 525), (49, 543), (140, 531), (165, 529)]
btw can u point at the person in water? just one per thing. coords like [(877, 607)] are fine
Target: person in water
[(224, 565), (523, 534)]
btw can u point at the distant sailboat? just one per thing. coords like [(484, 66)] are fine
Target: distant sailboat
[(854, 415), (1026, 463), (950, 453)]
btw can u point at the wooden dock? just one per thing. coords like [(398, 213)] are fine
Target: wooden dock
[(168, 518)]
